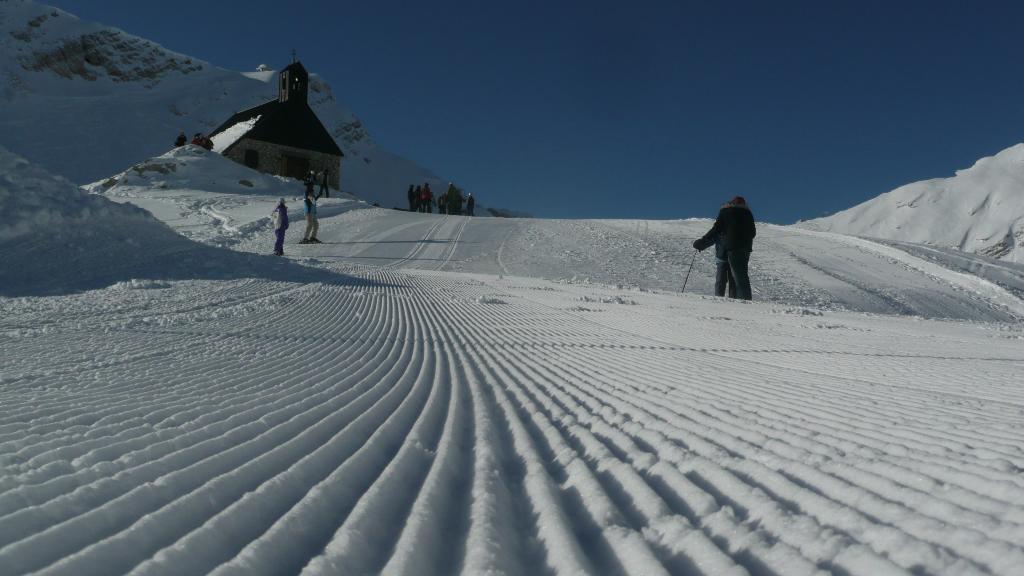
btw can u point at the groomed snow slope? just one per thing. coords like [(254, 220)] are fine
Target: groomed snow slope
[(200, 195), (442, 424), (408, 419), (980, 210)]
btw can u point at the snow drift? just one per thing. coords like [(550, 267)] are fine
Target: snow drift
[(56, 238), (193, 167), (211, 199), (979, 210)]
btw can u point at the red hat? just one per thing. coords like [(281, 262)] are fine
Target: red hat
[(738, 201)]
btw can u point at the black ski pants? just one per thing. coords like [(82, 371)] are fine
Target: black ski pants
[(724, 282), (738, 261)]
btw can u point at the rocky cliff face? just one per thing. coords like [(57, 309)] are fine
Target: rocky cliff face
[(109, 53), (49, 40), (32, 27), (350, 131)]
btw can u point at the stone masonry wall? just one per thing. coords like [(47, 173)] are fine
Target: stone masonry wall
[(271, 158)]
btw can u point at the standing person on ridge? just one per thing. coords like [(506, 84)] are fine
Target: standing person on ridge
[(449, 199), (280, 219), (735, 229), (421, 201), (325, 190), (428, 199), (458, 201), (470, 204), (412, 193)]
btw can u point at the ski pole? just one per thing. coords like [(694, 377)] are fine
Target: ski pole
[(688, 271)]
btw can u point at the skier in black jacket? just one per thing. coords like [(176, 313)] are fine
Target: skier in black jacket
[(734, 228), (724, 282)]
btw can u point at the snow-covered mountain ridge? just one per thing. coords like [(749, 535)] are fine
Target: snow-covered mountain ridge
[(87, 100), (90, 55), (979, 210)]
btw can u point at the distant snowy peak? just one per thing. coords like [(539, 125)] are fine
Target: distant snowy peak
[(45, 39), (980, 210)]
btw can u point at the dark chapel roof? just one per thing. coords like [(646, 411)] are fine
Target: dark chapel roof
[(285, 124), (289, 123)]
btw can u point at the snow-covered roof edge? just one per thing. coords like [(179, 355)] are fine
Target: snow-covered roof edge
[(224, 139)]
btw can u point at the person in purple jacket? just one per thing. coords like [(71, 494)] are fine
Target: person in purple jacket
[(280, 219)]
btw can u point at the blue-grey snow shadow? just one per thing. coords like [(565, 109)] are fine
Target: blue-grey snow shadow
[(52, 266), (1008, 275)]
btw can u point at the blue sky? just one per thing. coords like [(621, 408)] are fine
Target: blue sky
[(644, 109)]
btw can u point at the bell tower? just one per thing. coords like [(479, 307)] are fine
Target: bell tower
[(293, 86)]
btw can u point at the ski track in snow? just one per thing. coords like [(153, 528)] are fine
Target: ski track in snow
[(413, 421)]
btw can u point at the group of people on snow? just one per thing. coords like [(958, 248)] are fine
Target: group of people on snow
[(732, 234), (323, 177), (279, 216), (421, 199), (199, 139)]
